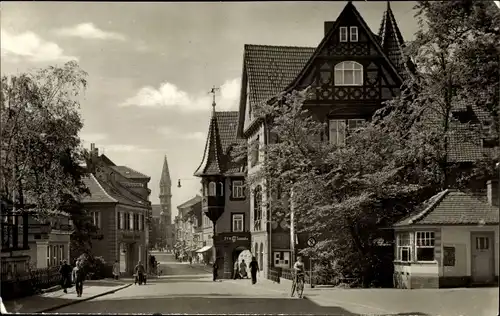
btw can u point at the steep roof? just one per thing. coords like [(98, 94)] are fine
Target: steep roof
[(452, 207), (129, 173), (392, 42), (97, 192), (213, 155), (165, 174)]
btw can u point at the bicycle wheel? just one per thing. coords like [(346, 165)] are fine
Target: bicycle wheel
[(293, 289), (300, 288)]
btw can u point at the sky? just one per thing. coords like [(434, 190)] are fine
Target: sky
[(151, 66)]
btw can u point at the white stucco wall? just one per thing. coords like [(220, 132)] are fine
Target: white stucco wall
[(460, 238)]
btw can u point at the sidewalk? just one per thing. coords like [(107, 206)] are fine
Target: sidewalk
[(50, 301)]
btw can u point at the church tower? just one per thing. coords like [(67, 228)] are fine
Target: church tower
[(166, 205)]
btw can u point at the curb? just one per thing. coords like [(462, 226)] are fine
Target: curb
[(47, 310)]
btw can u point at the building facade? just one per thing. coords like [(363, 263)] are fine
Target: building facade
[(190, 226), (224, 190), (120, 209), (350, 74)]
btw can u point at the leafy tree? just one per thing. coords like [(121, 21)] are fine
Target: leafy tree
[(40, 149), (346, 194)]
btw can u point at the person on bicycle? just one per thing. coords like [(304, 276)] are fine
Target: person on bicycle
[(298, 267)]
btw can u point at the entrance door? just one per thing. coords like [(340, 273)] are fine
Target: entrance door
[(482, 268)]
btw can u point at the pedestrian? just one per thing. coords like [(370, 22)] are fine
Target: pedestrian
[(215, 267), (78, 277), (116, 270), (243, 269), (65, 271), (254, 268), (139, 272), (190, 260), (236, 272)]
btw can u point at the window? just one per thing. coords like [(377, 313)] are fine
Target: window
[(221, 189), (121, 217), (355, 124), (257, 208), (238, 191), (131, 221), (343, 34), (425, 246), (142, 222), (482, 243), (49, 248), (337, 131), (136, 221), (238, 222), (282, 259), (403, 241), (354, 33), (261, 258), (211, 189), (61, 252), (255, 150), (96, 219), (348, 73)]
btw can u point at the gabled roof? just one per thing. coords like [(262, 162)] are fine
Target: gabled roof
[(393, 44), (129, 173), (348, 10), (192, 201), (97, 192), (452, 207), (213, 155)]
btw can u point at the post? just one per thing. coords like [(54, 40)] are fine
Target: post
[(215, 249), (292, 227), (310, 273)]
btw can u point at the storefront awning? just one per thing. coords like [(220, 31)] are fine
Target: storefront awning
[(204, 249)]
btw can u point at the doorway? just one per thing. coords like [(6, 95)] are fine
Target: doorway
[(482, 257)]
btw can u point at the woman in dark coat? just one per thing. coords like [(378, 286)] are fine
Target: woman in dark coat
[(254, 268)]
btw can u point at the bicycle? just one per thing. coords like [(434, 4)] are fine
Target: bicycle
[(298, 284)]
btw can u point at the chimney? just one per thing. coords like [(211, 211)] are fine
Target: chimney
[(328, 26), (492, 188)]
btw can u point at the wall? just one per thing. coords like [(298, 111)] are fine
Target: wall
[(106, 247), (460, 238)]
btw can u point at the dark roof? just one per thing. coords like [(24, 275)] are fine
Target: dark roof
[(228, 127), (270, 69), (156, 210), (97, 192), (213, 161), (392, 42), (129, 172), (190, 202), (452, 207)]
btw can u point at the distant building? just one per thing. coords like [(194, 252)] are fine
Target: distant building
[(166, 206), (120, 208), (224, 192), (189, 220)]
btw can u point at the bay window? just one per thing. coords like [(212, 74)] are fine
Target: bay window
[(403, 250)]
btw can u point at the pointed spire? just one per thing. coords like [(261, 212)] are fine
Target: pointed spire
[(392, 41), (165, 174), (213, 158)]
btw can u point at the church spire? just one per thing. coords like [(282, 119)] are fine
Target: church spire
[(213, 160), (165, 174)]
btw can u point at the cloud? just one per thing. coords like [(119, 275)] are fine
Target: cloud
[(124, 148), (89, 31), (173, 134), (169, 95), (28, 46)]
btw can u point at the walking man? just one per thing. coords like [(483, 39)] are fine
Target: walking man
[(65, 271), (78, 277), (254, 268), (215, 267)]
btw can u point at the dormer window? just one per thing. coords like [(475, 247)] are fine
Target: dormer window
[(354, 33), (211, 189), (343, 33)]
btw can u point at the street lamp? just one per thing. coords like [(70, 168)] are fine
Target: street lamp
[(179, 181)]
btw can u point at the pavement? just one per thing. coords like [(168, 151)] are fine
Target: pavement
[(189, 289)]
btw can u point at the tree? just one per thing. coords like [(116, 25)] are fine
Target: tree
[(40, 149), (346, 194)]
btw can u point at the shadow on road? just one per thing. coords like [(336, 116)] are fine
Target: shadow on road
[(212, 304)]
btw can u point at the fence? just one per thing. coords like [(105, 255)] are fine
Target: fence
[(276, 274), (29, 282)]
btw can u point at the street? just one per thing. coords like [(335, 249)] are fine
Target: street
[(185, 289), (189, 289)]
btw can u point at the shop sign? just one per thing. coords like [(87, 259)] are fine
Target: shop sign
[(236, 238)]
